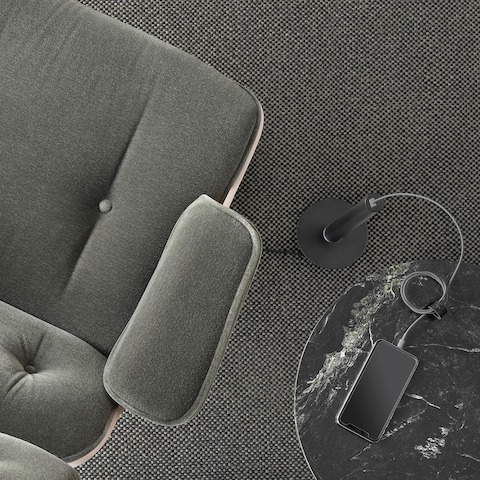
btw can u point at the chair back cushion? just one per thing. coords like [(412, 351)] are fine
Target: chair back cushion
[(106, 135)]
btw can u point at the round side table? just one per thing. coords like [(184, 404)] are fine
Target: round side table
[(435, 431)]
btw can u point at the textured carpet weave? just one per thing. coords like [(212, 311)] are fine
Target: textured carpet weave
[(359, 96)]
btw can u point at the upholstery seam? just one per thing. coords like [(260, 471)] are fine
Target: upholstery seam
[(80, 255), (113, 178)]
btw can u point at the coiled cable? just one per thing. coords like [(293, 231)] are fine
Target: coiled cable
[(437, 308)]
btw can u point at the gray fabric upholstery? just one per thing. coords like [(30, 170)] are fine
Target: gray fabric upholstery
[(51, 391), (21, 460), (94, 110), (165, 361)]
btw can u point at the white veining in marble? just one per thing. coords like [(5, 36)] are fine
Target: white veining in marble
[(461, 349), (419, 397), (408, 421), (469, 456), (433, 446), (360, 328)]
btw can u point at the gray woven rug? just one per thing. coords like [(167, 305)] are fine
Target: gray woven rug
[(359, 96)]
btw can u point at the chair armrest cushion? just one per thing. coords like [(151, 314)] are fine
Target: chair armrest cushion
[(165, 361)]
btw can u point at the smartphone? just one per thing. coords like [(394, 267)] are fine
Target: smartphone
[(378, 388)]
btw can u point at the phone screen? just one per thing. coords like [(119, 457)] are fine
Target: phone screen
[(376, 392)]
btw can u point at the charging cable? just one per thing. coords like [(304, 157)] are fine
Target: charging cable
[(438, 308)]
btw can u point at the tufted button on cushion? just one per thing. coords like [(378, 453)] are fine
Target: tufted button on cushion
[(105, 206), (51, 387)]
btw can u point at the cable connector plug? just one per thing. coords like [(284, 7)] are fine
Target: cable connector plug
[(438, 308)]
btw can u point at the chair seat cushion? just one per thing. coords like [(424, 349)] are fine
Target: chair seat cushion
[(51, 387), (21, 460)]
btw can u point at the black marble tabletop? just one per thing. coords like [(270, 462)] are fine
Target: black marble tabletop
[(435, 431)]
